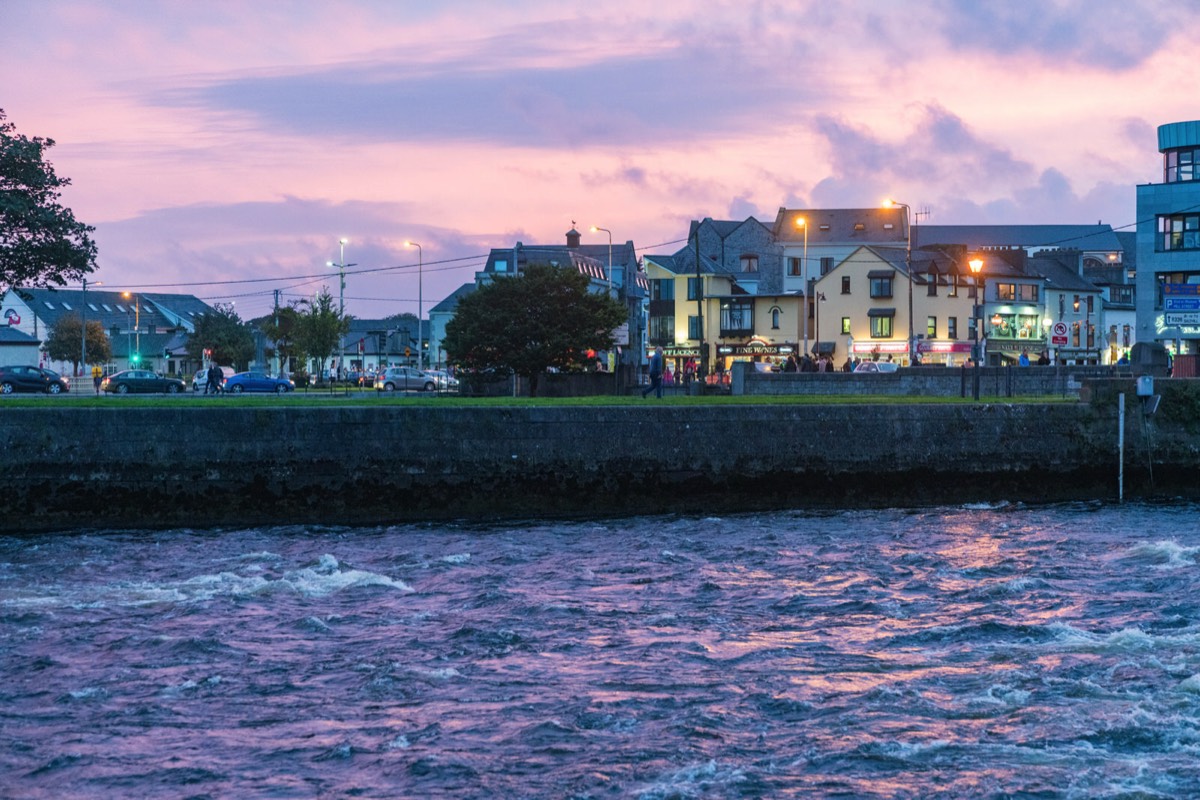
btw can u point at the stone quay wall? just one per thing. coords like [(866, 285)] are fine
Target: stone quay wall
[(215, 466)]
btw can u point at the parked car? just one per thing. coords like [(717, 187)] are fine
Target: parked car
[(256, 382), (877, 366), (200, 379), (141, 380), (443, 379), (32, 379), (402, 378)]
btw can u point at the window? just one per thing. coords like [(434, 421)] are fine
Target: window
[(1125, 335), (1027, 293), (795, 267), (48, 304), (66, 305), (1075, 334), (106, 308), (92, 306), (121, 308), (1090, 299), (693, 288), (749, 263), (693, 327), (501, 265), (952, 284), (933, 286), (826, 264), (823, 227), (662, 289), (845, 284), (952, 327), (931, 328), (858, 226), (1179, 232), (881, 327), (1180, 165), (881, 287), (846, 325), (662, 329), (775, 318), (1121, 294), (737, 317), (1006, 291)]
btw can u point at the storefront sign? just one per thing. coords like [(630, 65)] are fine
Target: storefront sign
[(926, 346), (879, 347), (756, 349), (677, 351)]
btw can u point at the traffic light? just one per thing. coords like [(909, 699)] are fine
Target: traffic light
[(137, 357)]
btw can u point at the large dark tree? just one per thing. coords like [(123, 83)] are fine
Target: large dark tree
[(41, 243), (546, 317), (223, 332), (64, 344)]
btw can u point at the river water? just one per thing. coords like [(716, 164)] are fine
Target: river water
[(960, 652)]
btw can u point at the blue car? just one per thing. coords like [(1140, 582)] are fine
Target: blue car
[(256, 382)]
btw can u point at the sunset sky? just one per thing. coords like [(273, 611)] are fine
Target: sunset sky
[(222, 148)]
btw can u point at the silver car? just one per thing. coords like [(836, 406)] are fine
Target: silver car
[(403, 378), (443, 379)]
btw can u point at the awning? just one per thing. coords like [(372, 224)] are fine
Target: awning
[(824, 348), (882, 273), (881, 312)]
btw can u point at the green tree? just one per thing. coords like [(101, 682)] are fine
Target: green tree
[(63, 342), (546, 317), (223, 332), (282, 328), (41, 243), (320, 328)]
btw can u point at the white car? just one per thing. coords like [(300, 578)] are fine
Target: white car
[(877, 366), (402, 379), (443, 379), (200, 379)]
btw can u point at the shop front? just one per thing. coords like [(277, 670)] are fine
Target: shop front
[(755, 351), (946, 352), (880, 350)]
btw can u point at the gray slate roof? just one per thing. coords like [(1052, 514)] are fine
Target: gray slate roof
[(1079, 237)]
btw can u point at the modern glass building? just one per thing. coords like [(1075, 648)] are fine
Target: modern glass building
[(1168, 244)]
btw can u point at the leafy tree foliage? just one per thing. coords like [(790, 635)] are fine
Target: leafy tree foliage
[(282, 328), (41, 243), (63, 342), (320, 328), (546, 317), (223, 332)]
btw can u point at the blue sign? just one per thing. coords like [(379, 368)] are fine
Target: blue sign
[(1181, 289), (1181, 303)]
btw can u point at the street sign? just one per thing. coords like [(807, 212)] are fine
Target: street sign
[(1181, 303), (1058, 334), (1181, 318)]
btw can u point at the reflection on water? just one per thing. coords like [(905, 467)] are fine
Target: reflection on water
[(981, 652)]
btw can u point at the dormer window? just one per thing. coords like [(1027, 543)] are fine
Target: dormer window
[(858, 226)]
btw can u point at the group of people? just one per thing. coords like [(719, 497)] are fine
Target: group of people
[(214, 378), (822, 363)]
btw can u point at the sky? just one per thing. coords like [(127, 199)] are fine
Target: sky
[(223, 148)]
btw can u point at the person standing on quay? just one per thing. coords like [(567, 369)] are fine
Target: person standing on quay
[(656, 374), (97, 376)]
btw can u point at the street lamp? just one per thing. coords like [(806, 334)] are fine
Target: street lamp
[(596, 229), (976, 265), (83, 324), (341, 265), (801, 222), (818, 298), (137, 322), (420, 303), (907, 267)]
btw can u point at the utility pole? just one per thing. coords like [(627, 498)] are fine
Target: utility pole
[(700, 309)]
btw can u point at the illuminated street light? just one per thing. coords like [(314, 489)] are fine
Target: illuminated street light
[(976, 265), (341, 265), (135, 357), (801, 222), (596, 229)]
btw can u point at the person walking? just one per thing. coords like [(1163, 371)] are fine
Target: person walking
[(97, 376), (214, 379), (656, 374)]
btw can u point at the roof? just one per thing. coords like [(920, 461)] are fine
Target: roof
[(450, 303), (876, 225), (114, 309), (555, 255), (10, 335), (1059, 275), (1081, 237)]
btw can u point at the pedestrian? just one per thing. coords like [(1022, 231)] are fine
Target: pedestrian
[(1024, 359), (214, 379), (790, 364), (97, 376), (656, 374)]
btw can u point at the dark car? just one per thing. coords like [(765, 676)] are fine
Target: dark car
[(256, 382), (140, 380), (31, 379)]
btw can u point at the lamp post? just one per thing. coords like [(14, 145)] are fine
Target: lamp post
[(976, 265), (597, 229), (341, 265), (907, 267), (420, 303), (137, 322), (83, 325), (801, 222), (818, 298)]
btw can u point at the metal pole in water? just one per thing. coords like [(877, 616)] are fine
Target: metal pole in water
[(1121, 447)]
